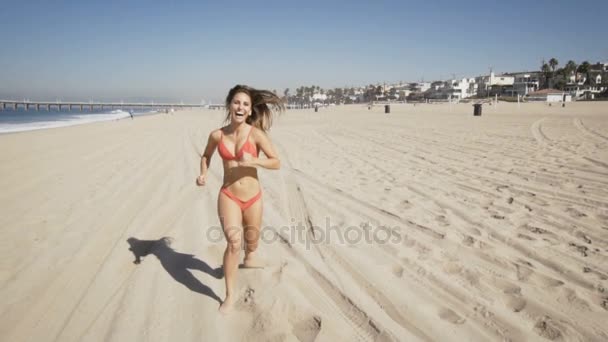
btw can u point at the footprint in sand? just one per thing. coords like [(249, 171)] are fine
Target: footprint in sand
[(600, 275), (515, 303), (583, 237), (247, 302), (546, 328), (573, 299), (397, 271), (307, 329), (511, 296), (575, 213), (442, 220), (581, 249), (495, 215), (535, 230), (604, 303), (536, 200), (452, 268), (423, 252), (468, 240), (523, 273), (549, 282), (405, 204), (526, 237), (450, 316), (528, 275)]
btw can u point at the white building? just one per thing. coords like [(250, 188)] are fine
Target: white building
[(461, 89), (550, 95), (319, 97), (526, 82), (487, 85)]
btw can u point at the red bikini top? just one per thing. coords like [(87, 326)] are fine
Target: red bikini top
[(247, 147)]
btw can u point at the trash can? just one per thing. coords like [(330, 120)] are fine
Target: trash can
[(387, 109), (316, 109), (477, 109)]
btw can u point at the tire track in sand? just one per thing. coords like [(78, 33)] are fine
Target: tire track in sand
[(543, 140), (578, 123)]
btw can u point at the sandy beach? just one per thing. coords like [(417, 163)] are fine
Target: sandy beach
[(423, 224)]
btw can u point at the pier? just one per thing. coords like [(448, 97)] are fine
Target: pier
[(46, 105)]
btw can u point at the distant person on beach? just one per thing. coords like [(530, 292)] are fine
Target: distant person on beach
[(249, 116), (131, 113)]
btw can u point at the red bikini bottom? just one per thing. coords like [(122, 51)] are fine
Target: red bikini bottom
[(243, 204)]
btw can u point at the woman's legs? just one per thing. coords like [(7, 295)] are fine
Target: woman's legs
[(252, 222), (231, 218)]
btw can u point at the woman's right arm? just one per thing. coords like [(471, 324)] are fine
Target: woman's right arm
[(206, 157)]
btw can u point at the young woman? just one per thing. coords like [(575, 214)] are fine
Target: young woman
[(239, 202)]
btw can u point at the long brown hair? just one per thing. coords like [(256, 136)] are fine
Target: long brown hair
[(263, 104)]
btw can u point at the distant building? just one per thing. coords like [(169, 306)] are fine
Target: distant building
[(550, 95), (493, 84), (526, 82), (600, 66), (419, 87), (319, 97), (591, 84), (464, 88), (452, 89)]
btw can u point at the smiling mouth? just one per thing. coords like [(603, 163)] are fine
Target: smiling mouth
[(239, 114)]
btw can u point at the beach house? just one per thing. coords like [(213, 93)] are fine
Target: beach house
[(589, 85), (549, 95), (526, 82), (495, 85)]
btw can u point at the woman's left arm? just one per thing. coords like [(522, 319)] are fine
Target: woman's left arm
[(271, 161)]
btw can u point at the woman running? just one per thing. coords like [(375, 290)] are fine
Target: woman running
[(239, 202)]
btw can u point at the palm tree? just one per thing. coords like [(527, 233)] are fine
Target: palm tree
[(330, 95), (584, 67), (286, 95), (570, 67), (546, 70), (379, 90), (300, 95), (569, 70), (553, 63), (339, 95)]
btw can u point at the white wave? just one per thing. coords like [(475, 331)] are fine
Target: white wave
[(77, 119)]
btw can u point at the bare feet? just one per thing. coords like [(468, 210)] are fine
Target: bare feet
[(252, 261), (226, 306)]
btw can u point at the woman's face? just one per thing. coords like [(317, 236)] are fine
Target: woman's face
[(240, 107)]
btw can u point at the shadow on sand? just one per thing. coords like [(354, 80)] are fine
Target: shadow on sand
[(178, 265)]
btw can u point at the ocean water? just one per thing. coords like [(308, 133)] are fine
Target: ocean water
[(27, 120)]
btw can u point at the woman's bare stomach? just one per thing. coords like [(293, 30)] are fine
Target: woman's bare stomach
[(241, 181)]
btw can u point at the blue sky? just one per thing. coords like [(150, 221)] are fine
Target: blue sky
[(194, 50)]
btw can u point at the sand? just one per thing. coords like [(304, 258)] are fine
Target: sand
[(423, 224)]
